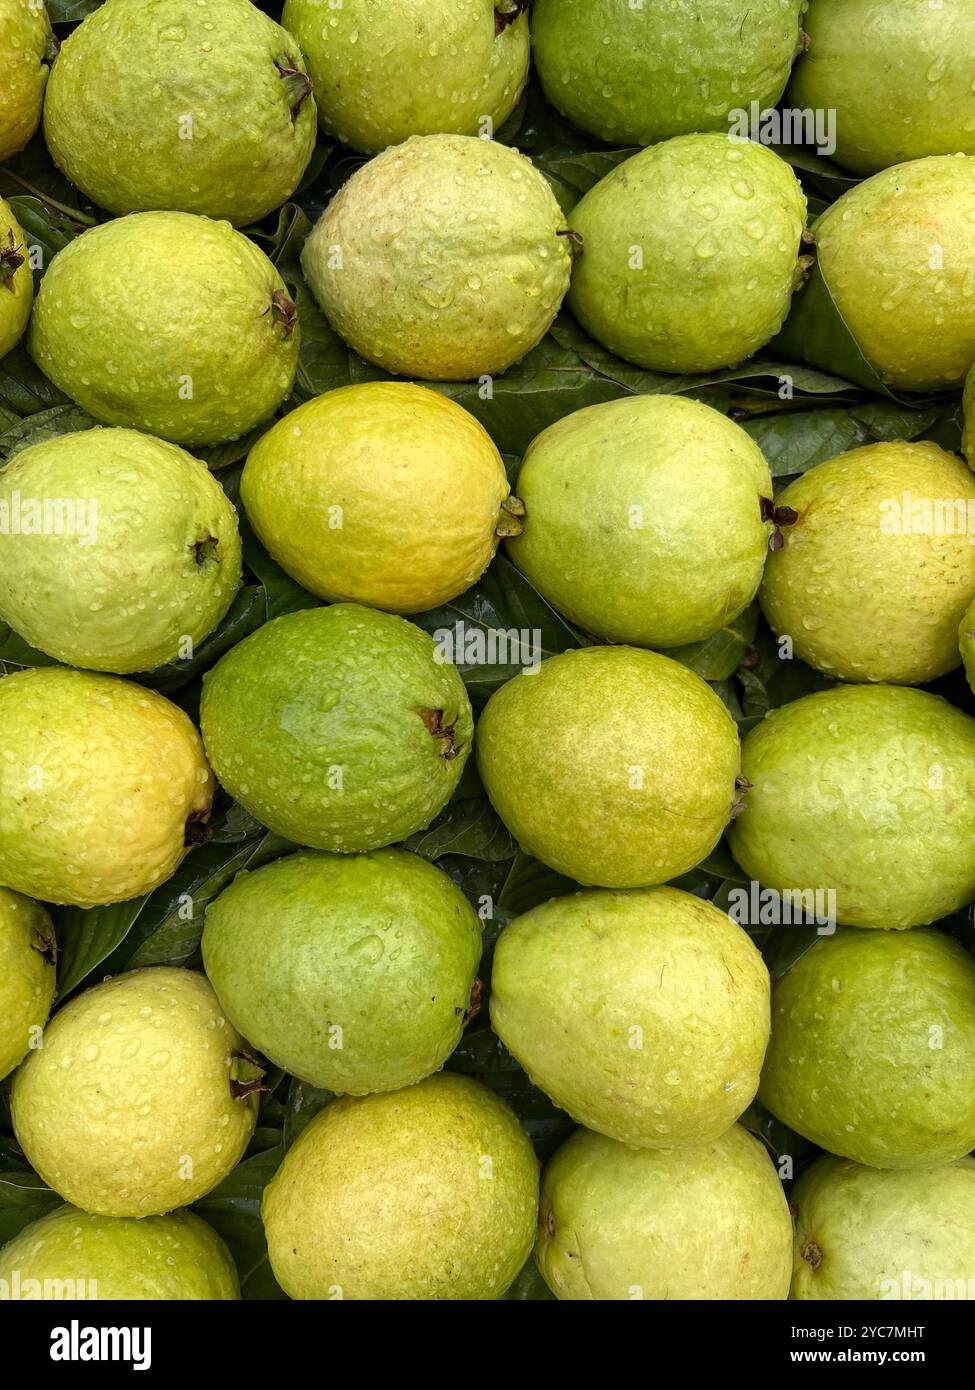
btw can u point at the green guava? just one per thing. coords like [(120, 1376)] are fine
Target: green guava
[(691, 253), (340, 728), (873, 1047), (896, 76), (426, 1193), (968, 411), (867, 792), (612, 765), (644, 1014), (103, 785), (897, 256), (27, 976), (69, 1253), (170, 324), (618, 1223), (16, 280), (332, 490), (26, 48), (411, 67), (141, 576), (644, 519), (866, 1234), (633, 74), (353, 973), (180, 106), (445, 257), (141, 1099), (875, 574)]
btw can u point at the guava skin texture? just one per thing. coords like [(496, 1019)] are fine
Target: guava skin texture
[(915, 325), (25, 44), (870, 587), (183, 106), (353, 973), (340, 728), (718, 224), (386, 494), (868, 791), (644, 1014), (860, 51), (708, 1223), (866, 1234), (16, 280), (644, 519), (384, 70), (155, 566), (428, 1193), (102, 783), (27, 975), (444, 258), (169, 1258), (170, 324), (129, 1109), (614, 766)]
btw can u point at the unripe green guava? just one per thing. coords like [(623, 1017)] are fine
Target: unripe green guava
[(353, 973), (170, 324), (137, 578), (385, 493), (618, 1223), (445, 258), (340, 728), (873, 1047), (26, 48), (878, 569), (426, 1193), (867, 792), (644, 1014), (614, 766), (103, 785), (866, 1234), (69, 1253), (27, 976), (16, 280), (633, 74), (644, 519), (690, 253), (384, 72), (896, 76), (181, 105)]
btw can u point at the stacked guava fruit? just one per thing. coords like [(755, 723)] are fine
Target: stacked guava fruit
[(486, 594)]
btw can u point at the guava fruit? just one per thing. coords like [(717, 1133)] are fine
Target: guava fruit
[(618, 1223), (446, 257), (26, 48), (141, 575), (644, 519), (411, 67), (385, 493), (896, 77), (27, 976), (875, 574), (897, 256), (612, 765), (426, 1193), (338, 727), (691, 252), (16, 280), (633, 74), (167, 323), (193, 108), (867, 1234), (873, 1047), (644, 1014), (867, 792), (351, 972), (104, 787), (141, 1099), (70, 1254)]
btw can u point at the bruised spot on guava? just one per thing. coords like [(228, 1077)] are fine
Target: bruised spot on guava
[(812, 1254)]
